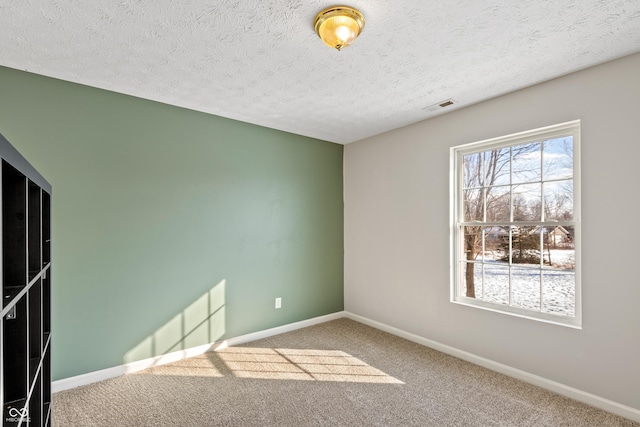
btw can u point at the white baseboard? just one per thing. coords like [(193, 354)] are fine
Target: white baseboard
[(116, 371), (573, 393)]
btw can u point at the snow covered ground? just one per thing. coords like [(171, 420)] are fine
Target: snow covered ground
[(550, 290)]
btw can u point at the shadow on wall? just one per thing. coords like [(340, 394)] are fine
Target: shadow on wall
[(202, 322)]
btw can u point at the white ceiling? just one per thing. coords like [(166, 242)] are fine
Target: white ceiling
[(261, 62)]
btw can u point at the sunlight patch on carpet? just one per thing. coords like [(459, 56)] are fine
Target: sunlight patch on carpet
[(201, 365), (301, 364)]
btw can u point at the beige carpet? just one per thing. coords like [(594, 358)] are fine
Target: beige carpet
[(340, 373)]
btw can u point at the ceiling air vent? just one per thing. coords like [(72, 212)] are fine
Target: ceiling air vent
[(440, 105)]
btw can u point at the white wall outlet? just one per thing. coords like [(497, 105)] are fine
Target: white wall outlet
[(278, 302)]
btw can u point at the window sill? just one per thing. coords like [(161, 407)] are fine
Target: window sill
[(569, 322)]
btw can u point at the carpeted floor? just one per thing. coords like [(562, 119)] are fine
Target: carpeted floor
[(340, 373)]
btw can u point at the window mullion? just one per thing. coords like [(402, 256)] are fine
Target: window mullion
[(543, 206), (511, 218), (510, 261), (482, 264), (540, 276)]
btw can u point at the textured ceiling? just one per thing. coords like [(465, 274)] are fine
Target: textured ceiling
[(261, 62)]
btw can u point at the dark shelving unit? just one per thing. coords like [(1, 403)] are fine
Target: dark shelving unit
[(25, 306)]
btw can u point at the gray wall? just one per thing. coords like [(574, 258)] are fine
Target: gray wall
[(173, 228), (397, 232)]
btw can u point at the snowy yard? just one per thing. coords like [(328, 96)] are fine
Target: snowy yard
[(550, 290)]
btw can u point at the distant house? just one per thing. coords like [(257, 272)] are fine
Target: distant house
[(557, 236)]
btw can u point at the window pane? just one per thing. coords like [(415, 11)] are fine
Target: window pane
[(558, 247), (473, 205), (525, 245), (498, 203), (527, 202), (472, 170), (496, 243), (562, 257), (558, 200), (472, 243), (526, 166), (558, 158), (497, 167), (525, 287), (496, 283), (558, 288)]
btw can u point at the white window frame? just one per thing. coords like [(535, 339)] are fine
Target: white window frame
[(457, 223)]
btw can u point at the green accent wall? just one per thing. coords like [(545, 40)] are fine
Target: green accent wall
[(173, 228)]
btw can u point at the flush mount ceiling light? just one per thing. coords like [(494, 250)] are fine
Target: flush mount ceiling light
[(339, 26)]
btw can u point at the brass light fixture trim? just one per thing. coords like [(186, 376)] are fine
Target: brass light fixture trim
[(339, 26)]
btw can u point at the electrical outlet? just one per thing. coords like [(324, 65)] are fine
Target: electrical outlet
[(278, 302)]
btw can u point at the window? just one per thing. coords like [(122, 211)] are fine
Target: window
[(515, 219)]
